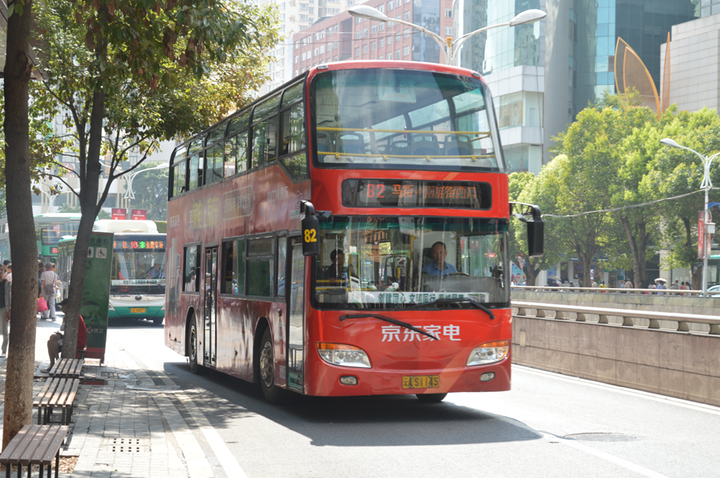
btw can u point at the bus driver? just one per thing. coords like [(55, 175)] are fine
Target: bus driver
[(439, 267)]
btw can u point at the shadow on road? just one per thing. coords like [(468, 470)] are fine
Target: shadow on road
[(352, 421)]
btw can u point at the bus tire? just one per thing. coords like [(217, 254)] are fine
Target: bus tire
[(195, 367), (158, 320), (266, 370), (431, 397)]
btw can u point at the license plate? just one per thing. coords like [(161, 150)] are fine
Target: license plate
[(421, 381), (137, 310)]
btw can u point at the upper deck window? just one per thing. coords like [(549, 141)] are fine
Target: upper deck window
[(384, 118)]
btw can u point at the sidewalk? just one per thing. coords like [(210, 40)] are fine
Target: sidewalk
[(124, 424)]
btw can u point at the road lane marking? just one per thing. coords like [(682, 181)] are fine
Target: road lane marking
[(602, 455)]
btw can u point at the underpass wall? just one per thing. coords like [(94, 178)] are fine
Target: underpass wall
[(634, 301), (676, 364)]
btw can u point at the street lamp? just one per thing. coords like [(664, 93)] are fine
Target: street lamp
[(706, 184), (129, 193), (449, 46)]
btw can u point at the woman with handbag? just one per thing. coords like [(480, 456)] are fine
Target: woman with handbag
[(48, 279), (5, 295)]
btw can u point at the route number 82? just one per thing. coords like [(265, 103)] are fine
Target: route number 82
[(310, 235)]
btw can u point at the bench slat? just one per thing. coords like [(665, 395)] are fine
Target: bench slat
[(37, 440), (58, 392), (14, 447), (38, 398), (51, 444)]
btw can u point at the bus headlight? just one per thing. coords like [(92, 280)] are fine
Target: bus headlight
[(110, 306), (489, 352), (343, 355)]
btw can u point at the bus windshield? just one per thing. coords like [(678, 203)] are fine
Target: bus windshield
[(383, 118), (138, 265), (400, 262)]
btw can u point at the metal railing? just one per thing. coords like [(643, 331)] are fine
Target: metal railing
[(610, 290), (690, 323)]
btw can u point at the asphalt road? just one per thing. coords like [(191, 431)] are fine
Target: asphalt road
[(549, 425)]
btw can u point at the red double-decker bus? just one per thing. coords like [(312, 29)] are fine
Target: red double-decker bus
[(347, 234)]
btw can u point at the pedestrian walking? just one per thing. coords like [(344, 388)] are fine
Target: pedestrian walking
[(47, 280)]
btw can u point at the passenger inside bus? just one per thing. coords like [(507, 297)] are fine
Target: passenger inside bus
[(338, 272)]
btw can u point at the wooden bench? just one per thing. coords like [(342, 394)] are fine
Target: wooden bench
[(57, 393), (67, 368), (34, 445)]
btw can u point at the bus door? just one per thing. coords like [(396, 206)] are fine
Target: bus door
[(210, 306), (295, 322)]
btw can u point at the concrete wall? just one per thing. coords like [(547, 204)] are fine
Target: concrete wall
[(676, 364), (669, 303)]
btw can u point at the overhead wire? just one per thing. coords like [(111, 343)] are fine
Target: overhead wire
[(632, 206)]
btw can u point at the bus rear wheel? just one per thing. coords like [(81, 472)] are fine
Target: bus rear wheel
[(193, 341), (431, 397), (266, 369)]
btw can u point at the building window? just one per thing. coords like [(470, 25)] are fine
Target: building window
[(317, 51), (372, 46), (380, 57), (303, 7), (357, 51), (382, 42), (304, 56), (448, 13), (406, 33), (390, 5), (406, 51), (365, 33), (382, 27), (398, 37), (365, 48), (373, 29), (322, 49), (448, 31), (406, 15), (296, 58), (358, 35), (397, 54), (381, 8), (389, 40)]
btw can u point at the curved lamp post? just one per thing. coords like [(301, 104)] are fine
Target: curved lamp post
[(129, 193), (706, 184), (449, 46)]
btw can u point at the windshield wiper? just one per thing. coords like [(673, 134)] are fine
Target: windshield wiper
[(388, 319), (456, 300)]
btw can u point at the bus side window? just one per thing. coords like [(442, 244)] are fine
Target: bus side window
[(192, 269), (228, 259)]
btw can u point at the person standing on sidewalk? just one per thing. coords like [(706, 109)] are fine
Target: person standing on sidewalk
[(5, 295), (48, 279)]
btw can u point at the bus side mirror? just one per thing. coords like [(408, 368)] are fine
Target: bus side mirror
[(310, 230), (536, 234)]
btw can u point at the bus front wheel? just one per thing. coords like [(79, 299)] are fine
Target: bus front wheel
[(272, 393), (193, 341), (431, 397)]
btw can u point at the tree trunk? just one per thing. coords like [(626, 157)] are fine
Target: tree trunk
[(21, 356), (89, 208), (531, 272)]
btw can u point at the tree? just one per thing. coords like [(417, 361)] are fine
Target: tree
[(525, 188), (151, 191), (674, 172), (21, 357), (130, 73)]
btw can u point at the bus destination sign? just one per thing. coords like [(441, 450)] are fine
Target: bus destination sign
[(407, 193)]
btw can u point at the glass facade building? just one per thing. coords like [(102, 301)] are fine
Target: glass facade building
[(643, 24)]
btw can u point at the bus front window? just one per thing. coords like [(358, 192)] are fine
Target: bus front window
[(376, 118), (399, 262)]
